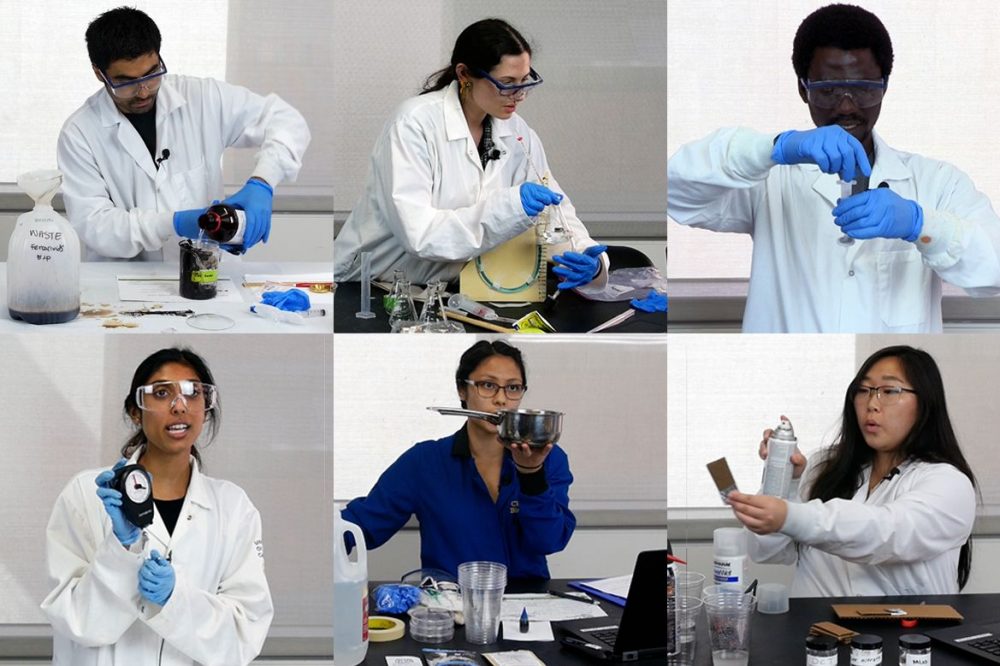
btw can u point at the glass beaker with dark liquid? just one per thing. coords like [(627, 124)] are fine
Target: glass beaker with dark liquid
[(199, 276)]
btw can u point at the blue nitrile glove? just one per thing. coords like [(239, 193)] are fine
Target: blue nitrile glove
[(255, 199), (126, 532), (156, 579), (654, 302), (830, 147), (396, 598), (578, 269), (186, 222), (879, 213), (293, 300), (535, 197)]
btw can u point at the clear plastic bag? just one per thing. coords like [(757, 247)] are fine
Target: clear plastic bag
[(624, 284)]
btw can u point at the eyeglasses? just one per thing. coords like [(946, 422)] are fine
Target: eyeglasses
[(130, 88), (161, 396), (489, 389), (512, 89), (827, 94), (886, 395)]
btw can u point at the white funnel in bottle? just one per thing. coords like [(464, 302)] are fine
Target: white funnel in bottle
[(41, 186)]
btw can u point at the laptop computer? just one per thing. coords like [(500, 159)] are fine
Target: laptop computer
[(981, 640), (640, 633)]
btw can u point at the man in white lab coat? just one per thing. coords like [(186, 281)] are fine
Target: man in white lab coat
[(142, 158), (916, 221)]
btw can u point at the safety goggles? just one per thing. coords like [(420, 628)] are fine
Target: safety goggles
[(162, 396), (828, 94), (130, 88), (513, 89)]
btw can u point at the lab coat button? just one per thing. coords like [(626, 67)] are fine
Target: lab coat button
[(851, 273), (189, 516)]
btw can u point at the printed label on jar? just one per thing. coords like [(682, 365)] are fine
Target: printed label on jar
[(728, 569), (866, 657), (816, 660), (916, 660), (204, 277)]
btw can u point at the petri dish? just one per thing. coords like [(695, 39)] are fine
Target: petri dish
[(208, 321)]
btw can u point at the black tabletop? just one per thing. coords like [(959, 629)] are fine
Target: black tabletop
[(571, 313), (552, 652), (780, 639)]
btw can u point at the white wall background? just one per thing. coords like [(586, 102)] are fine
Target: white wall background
[(729, 63), (62, 414), (601, 111)]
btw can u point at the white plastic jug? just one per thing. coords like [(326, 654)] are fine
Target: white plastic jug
[(350, 594), (43, 257)]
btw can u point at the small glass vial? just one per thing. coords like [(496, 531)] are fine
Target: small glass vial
[(821, 651), (914, 650), (866, 650)]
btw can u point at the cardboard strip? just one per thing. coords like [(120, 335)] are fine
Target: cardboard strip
[(896, 611)]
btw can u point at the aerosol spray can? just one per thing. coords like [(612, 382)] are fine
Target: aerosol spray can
[(778, 468)]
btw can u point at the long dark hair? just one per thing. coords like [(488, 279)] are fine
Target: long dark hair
[(146, 369), (932, 439), (479, 46), (481, 351)]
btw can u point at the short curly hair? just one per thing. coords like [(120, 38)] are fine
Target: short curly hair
[(846, 27)]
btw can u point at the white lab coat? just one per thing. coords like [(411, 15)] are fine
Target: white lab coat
[(122, 206), (219, 612), (802, 279), (429, 206), (903, 540)]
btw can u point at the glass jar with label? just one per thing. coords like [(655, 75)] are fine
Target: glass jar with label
[(914, 650), (866, 650), (821, 651)]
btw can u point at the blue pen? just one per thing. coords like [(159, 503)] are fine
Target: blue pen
[(524, 624)]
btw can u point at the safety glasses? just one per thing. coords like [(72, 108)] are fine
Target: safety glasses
[(162, 396), (828, 94), (130, 88), (512, 89)]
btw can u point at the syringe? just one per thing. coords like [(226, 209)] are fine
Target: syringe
[(846, 188), (463, 302), (466, 304)]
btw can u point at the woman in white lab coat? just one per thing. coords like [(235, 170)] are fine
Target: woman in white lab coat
[(456, 172), (190, 588), (889, 508)]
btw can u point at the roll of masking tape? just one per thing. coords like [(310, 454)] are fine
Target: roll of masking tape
[(382, 629)]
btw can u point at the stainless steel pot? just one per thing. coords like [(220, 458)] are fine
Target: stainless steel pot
[(537, 427)]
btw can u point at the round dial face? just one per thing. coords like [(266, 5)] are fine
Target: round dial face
[(137, 486)]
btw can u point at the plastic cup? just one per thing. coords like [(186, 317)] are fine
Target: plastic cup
[(729, 615), (482, 586), (719, 589), (689, 584), (687, 610), (772, 598)]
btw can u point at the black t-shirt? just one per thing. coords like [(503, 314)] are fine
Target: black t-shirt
[(170, 511), (145, 125)]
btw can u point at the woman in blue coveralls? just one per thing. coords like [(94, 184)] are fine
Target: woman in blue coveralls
[(475, 498)]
